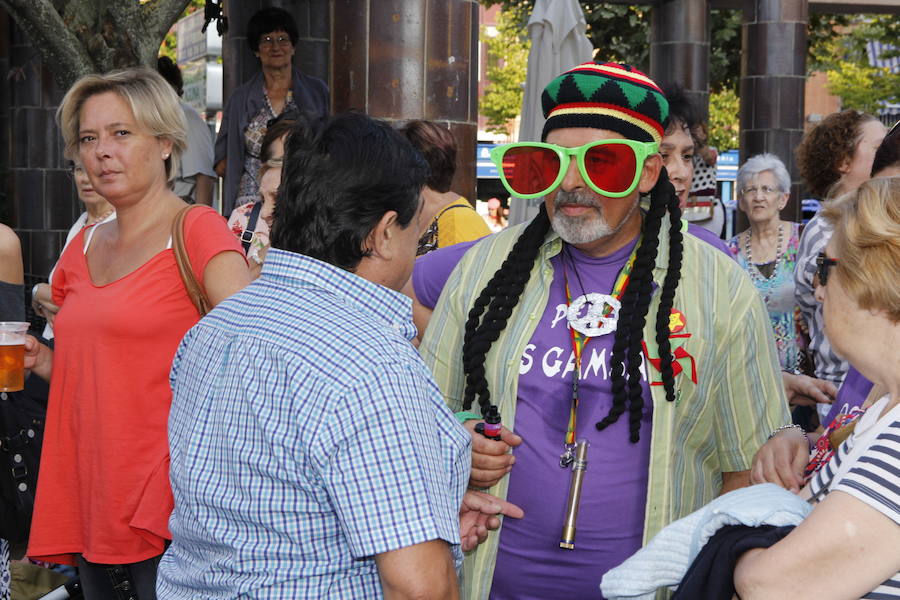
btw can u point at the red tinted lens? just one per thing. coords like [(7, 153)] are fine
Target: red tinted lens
[(611, 167), (530, 170)]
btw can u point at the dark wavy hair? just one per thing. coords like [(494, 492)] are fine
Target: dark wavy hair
[(438, 146), (269, 20), (277, 129), (824, 147), (341, 175), (495, 303), (171, 73), (682, 113)]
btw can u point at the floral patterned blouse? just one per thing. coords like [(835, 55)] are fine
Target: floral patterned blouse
[(248, 188), (777, 290), (238, 221)]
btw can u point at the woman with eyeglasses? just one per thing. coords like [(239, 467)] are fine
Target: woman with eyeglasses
[(767, 249), (279, 88)]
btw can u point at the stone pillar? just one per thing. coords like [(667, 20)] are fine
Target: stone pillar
[(773, 74), (411, 59), (679, 48), (310, 54), (39, 199)]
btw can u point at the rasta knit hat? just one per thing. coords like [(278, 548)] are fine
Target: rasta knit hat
[(606, 96)]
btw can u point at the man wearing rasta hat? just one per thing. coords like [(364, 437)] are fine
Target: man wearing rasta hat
[(599, 321)]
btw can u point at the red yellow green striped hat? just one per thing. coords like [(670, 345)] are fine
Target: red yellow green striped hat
[(606, 96)]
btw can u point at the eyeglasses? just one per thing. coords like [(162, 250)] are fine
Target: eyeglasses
[(764, 190), (611, 168), (823, 263), (267, 41)]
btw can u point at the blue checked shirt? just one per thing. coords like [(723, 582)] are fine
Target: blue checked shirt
[(306, 437)]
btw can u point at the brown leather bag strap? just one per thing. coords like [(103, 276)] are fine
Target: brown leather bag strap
[(194, 289)]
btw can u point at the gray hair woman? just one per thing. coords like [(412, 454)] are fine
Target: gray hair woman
[(767, 250), (104, 498)]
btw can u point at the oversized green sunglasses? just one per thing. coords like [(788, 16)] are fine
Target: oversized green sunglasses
[(612, 168)]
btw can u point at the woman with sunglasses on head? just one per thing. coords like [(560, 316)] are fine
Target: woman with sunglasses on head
[(847, 546), (96, 211), (278, 88), (450, 217)]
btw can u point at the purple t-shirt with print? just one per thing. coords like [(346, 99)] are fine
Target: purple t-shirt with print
[(610, 524)]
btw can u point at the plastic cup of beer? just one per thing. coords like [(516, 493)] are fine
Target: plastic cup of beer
[(12, 356)]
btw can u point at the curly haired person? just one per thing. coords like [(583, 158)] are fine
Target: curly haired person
[(834, 158), (586, 323)]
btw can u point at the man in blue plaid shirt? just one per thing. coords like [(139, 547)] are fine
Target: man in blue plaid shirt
[(312, 455)]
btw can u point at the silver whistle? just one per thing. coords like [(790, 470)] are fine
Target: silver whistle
[(579, 466)]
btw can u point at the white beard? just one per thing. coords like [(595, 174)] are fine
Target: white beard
[(584, 229)]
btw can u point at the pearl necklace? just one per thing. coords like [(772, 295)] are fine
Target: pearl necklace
[(90, 221)]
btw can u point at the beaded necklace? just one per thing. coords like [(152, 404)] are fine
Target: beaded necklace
[(91, 221), (763, 282)]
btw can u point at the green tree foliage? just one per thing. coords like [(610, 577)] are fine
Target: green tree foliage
[(170, 43), (621, 33), (845, 60), (723, 119), (724, 51), (863, 87), (507, 67)]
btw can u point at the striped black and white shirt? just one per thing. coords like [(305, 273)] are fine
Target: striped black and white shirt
[(815, 237), (874, 479)]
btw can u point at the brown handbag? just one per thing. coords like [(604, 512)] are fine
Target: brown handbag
[(194, 289)]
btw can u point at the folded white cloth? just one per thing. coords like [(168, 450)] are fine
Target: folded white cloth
[(665, 560)]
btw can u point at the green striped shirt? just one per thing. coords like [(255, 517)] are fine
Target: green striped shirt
[(715, 426)]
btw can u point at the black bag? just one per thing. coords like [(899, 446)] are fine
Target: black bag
[(22, 417)]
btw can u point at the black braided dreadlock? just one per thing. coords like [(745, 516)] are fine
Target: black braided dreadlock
[(499, 297), (503, 291), (626, 354)]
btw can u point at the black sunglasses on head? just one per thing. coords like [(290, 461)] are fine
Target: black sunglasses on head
[(823, 263)]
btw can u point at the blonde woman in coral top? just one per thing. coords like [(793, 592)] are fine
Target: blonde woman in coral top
[(103, 497)]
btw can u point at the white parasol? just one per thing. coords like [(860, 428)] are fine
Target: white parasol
[(558, 43)]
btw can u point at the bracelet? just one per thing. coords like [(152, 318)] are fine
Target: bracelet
[(34, 291), (787, 427), (464, 416)]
